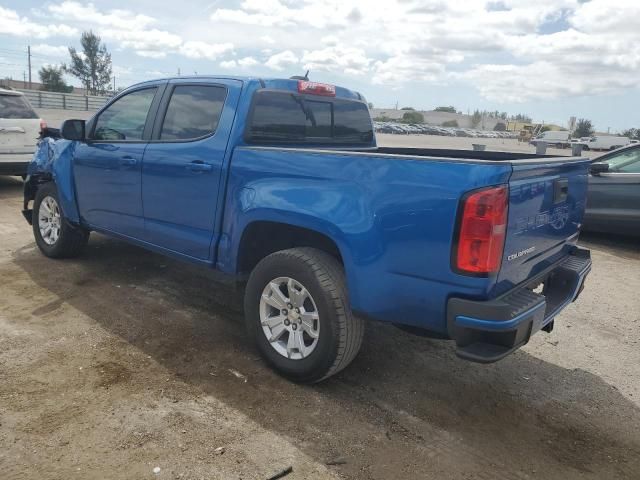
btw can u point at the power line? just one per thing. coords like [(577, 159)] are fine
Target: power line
[(29, 59)]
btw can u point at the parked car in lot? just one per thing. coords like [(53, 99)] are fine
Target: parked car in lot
[(20, 128), (280, 184), (613, 203), (394, 127), (602, 142), (555, 138)]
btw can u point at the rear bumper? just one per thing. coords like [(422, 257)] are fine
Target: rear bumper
[(486, 331), (14, 164)]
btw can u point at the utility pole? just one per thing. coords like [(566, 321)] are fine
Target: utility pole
[(29, 61), (114, 84), (178, 71), (24, 79)]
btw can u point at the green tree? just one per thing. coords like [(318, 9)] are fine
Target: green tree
[(476, 118), (52, 79), (93, 65), (407, 108), (520, 117), (545, 128), (450, 123), (632, 133), (411, 116), (500, 127), (450, 109), (584, 128)]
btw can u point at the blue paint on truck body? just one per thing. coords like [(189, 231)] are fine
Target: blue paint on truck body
[(393, 217)]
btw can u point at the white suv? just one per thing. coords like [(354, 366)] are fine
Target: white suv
[(20, 128)]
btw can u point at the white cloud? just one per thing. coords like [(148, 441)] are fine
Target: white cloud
[(130, 30), (282, 60), (508, 49), (210, 51), (13, 24), (50, 50), (147, 43), (229, 64), (248, 62), (278, 13), (352, 61), (120, 19), (396, 71)]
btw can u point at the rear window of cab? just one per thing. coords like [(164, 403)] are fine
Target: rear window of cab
[(286, 117)]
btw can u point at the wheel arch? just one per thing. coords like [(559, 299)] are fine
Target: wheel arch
[(261, 238)]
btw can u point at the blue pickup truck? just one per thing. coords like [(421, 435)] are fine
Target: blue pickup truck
[(280, 183)]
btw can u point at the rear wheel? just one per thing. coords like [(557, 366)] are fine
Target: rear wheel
[(297, 312), (55, 237)]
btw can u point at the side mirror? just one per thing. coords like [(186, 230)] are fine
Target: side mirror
[(597, 168), (73, 130)]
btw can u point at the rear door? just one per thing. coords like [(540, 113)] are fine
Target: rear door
[(107, 168), (182, 166), (546, 209), (613, 203), (19, 126)]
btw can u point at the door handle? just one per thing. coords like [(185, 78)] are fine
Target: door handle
[(199, 166), (128, 161)]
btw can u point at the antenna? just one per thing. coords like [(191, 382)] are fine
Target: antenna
[(298, 77)]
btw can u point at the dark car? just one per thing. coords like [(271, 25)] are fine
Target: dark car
[(613, 202)]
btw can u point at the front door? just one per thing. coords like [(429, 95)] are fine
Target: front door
[(108, 166), (182, 166)]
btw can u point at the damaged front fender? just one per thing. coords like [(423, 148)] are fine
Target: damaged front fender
[(52, 162)]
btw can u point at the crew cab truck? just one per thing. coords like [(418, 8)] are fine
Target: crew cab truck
[(280, 184)]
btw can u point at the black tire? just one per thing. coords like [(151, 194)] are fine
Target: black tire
[(340, 332), (71, 240)]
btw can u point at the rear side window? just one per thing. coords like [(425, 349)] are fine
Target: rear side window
[(15, 106), (125, 118), (193, 112), (279, 117)]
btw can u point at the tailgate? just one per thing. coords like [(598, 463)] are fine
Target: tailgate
[(546, 206), (19, 135)]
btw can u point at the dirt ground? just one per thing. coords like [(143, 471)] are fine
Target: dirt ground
[(122, 361)]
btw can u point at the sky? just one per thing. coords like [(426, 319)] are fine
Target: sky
[(551, 59)]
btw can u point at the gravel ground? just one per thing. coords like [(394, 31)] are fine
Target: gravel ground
[(121, 361)]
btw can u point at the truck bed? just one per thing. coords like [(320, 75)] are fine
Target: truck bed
[(462, 154)]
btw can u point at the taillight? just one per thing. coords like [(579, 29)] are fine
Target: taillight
[(483, 225), (315, 88)]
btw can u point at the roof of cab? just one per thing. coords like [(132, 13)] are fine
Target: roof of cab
[(270, 83)]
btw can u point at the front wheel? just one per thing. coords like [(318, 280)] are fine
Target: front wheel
[(55, 237), (297, 311)]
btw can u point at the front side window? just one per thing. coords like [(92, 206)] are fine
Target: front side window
[(194, 111), (126, 117), (279, 117), (15, 106), (627, 161)]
